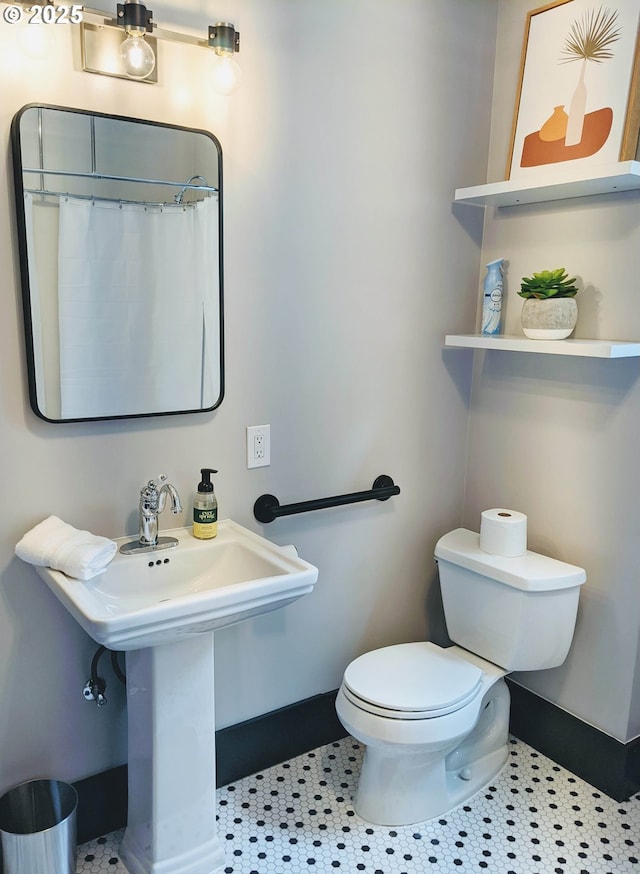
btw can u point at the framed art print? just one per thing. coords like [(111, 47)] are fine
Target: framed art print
[(577, 99)]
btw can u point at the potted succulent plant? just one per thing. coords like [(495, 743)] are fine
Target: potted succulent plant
[(549, 311)]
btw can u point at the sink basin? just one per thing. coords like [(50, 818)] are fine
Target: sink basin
[(148, 599)]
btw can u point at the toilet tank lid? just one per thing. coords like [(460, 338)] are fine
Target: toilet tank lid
[(530, 572)]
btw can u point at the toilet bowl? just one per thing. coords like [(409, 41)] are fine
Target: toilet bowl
[(434, 720), (439, 739)]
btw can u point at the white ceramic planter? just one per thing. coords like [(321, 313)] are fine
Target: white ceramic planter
[(552, 319)]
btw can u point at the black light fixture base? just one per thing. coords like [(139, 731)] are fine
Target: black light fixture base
[(135, 16), (224, 38)]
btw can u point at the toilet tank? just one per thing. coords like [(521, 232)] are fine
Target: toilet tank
[(518, 613)]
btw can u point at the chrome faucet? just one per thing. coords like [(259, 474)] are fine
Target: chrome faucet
[(153, 499)]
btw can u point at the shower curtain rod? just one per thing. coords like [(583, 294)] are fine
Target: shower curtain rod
[(160, 203), (112, 178)]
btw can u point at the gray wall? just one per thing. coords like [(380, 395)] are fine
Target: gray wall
[(557, 438), (345, 267)]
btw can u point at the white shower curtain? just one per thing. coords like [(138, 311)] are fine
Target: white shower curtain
[(34, 299), (138, 307)]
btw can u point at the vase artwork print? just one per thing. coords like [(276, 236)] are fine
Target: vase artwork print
[(492, 297), (578, 101)]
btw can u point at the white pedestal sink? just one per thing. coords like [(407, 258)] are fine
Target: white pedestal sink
[(162, 608)]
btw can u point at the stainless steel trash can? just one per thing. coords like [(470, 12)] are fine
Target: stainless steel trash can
[(38, 828)]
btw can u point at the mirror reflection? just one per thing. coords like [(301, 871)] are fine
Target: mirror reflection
[(119, 227)]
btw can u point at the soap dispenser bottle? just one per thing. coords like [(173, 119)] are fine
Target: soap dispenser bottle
[(205, 507)]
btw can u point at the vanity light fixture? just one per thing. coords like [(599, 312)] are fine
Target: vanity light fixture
[(136, 57), (225, 41)]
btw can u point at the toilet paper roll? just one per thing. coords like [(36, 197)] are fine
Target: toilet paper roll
[(503, 532)]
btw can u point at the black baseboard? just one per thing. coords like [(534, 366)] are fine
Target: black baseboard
[(592, 755), (275, 737), (252, 746), (241, 750), (102, 803)]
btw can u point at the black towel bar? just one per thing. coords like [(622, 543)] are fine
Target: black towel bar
[(267, 507)]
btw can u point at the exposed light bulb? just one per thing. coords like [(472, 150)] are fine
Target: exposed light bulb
[(137, 57), (227, 74)]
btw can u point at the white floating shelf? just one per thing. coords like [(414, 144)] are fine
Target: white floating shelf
[(575, 347), (624, 176)]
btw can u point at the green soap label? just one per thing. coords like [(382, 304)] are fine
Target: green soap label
[(205, 517)]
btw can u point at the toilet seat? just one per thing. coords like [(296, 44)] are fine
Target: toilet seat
[(411, 681)]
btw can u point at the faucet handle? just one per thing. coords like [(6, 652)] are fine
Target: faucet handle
[(150, 493)]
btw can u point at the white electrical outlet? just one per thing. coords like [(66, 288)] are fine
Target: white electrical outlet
[(258, 445)]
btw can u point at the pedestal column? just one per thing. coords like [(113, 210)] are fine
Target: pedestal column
[(171, 823)]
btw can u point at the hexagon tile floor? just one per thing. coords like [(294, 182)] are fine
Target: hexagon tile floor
[(536, 818)]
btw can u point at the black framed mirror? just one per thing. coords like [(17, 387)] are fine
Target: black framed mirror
[(120, 236)]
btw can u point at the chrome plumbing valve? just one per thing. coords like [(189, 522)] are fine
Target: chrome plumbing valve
[(94, 691)]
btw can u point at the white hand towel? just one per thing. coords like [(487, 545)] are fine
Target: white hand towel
[(53, 543)]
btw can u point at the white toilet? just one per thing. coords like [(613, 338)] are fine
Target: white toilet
[(434, 720)]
